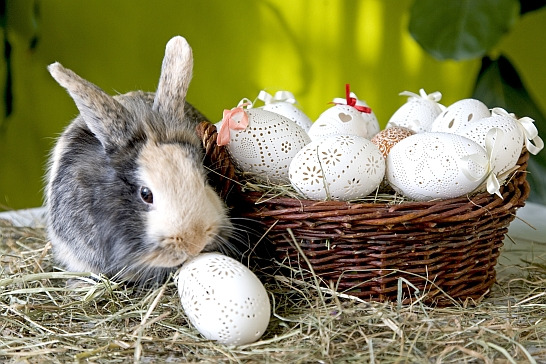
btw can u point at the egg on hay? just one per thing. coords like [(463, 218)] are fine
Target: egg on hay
[(339, 167), (261, 142), (429, 166), (223, 299)]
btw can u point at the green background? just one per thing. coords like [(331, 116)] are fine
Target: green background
[(311, 48)]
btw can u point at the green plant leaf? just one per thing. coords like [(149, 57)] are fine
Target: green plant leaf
[(499, 85), (461, 29)]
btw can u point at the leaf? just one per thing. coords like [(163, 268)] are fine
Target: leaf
[(499, 85), (461, 29), (531, 5)]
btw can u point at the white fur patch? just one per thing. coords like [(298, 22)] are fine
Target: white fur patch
[(186, 215)]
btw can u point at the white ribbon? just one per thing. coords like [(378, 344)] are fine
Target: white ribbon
[(245, 103), (280, 96), (435, 96), (492, 143), (526, 126)]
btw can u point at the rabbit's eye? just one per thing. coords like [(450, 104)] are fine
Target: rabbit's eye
[(146, 195)]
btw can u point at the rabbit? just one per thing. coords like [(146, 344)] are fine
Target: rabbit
[(126, 191)]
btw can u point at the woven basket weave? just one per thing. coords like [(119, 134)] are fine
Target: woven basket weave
[(447, 249)]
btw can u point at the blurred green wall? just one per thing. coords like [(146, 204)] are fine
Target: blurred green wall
[(310, 47)]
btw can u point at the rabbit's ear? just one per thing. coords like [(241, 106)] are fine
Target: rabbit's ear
[(176, 72), (105, 117)]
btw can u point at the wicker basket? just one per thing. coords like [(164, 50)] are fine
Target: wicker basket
[(447, 249)]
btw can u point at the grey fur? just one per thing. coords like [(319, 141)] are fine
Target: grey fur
[(97, 221)]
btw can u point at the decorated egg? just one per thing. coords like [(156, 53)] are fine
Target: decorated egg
[(418, 112), (505, 144), (429, 166), (387, 138), (348, 116), (338, 120), (284, 103), (223, 299), (372, 125), (339, 167), (261, 142), (460, 114)]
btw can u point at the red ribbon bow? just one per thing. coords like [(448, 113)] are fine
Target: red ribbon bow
[(351, 101), (228, 122)]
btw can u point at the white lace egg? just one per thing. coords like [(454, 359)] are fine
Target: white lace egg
[(267, 145), (339, 167), (507, 148), (418, 112), (460, 114), (429, 166), (343, 120), (291, 112), (223, 299)]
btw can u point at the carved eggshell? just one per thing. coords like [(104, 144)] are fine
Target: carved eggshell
[(344, 120), (507, 149), (460, 114), (223, 299), (388, 137), (267, 145), (416, 114), (290, 111), (429, 166), (339, 167)]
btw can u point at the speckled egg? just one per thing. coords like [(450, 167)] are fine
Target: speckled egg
[(387, 138), (418, 112), (339, 167), (429, 166), (460, 114), (266, 146)]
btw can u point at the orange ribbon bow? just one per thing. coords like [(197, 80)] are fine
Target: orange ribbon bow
[(235, 119)]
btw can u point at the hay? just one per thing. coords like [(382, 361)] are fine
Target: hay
[(93, 319)]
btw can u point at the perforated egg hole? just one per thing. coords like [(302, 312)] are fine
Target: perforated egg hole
[(344, 117), (313, 175), (330, 156), (345, 140), (373, 164), (223, 267)]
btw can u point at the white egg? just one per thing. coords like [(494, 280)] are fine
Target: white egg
[(418, 112), (507, 148), (266, 146), (460, 114), (223, 299), (429, 166), (343, 120), (291, 112), (339, 167)]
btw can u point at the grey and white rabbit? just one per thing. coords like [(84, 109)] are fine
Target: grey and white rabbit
[(127, 193)]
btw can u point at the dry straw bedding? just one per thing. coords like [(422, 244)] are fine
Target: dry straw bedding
[(103, 321)]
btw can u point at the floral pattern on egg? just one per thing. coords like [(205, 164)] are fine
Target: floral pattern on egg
[(431, 166), (341, 167)]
